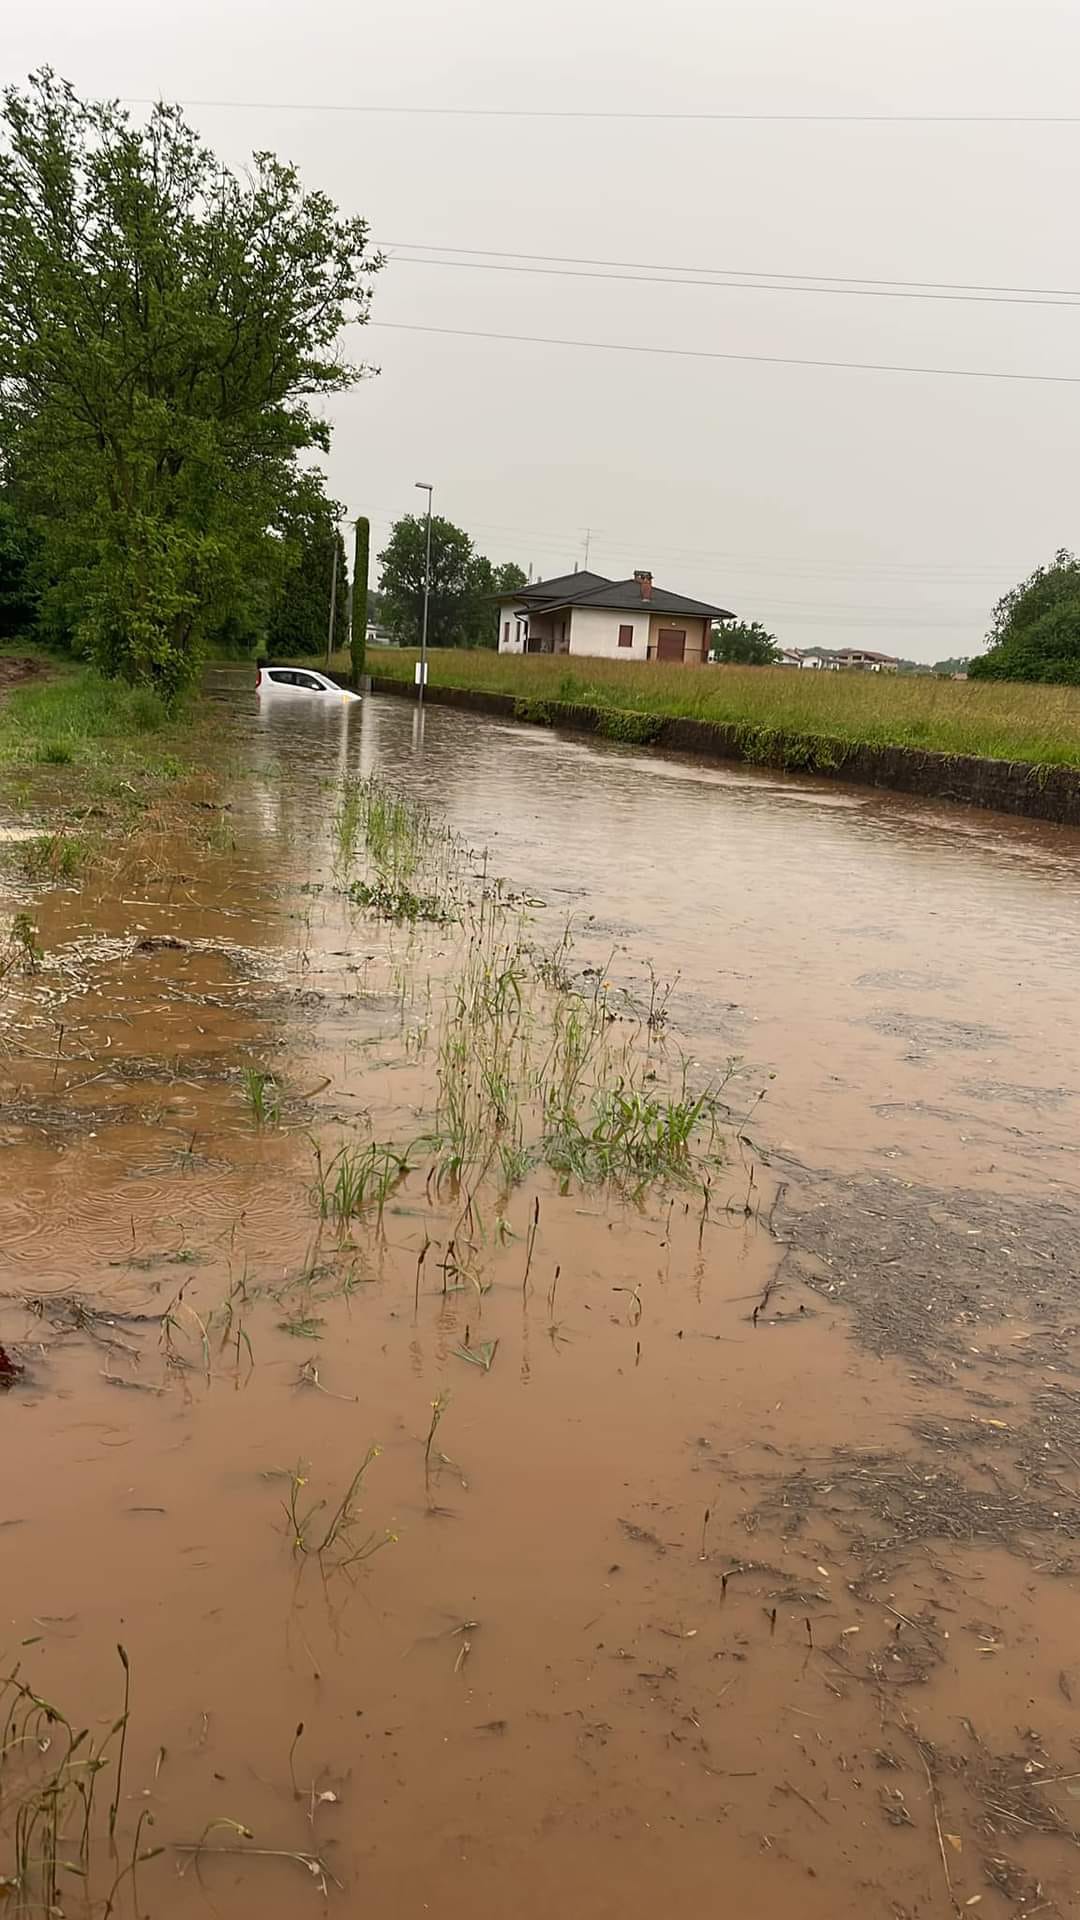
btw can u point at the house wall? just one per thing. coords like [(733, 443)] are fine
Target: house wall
[(508, 611), (595, 631), (696, 629)]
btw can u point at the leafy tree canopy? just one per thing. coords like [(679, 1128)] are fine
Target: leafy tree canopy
[(19, 556), (464, 585), (744, 643), (299, 616), (165, 327), (1035, 633)]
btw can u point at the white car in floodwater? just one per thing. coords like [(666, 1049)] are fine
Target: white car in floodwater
[(296, 683)]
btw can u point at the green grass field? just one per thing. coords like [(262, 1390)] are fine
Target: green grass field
[(1001, 721)]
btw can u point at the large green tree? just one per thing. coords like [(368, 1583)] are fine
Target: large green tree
[(464, 585), (744, 643), (165, 327), (1035, 634), (403, 563), (299, 619)]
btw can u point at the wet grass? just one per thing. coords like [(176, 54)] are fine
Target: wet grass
[(357, 1180), (1004, 721), (51, 1812), (69, 716), (55, 856), (262, 1097)]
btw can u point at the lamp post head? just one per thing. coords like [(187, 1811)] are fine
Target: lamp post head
[(424, 486)]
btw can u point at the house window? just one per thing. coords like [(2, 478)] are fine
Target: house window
[(506, 633), (626, 636)]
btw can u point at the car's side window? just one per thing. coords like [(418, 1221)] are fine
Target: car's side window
[(309, 680)]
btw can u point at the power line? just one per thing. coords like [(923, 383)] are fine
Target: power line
[(976, 574), (710, 353), (629, 113), (649, 273)]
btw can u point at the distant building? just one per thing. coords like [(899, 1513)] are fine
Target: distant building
[(848, 659), (860, 660), (584, 613), (789, 657)]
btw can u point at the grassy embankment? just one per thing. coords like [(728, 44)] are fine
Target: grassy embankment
[(88, 757), (1002, 721), (65, 715)]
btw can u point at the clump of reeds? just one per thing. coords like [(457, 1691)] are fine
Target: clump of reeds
[(49, 1800), (358, 1179), (334, 1539)]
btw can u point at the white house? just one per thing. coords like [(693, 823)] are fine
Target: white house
[(612, 619)]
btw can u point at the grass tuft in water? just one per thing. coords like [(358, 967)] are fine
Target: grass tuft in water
[(261, 1094)]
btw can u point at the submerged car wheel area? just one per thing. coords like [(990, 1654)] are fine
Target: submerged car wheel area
[(298, 683)]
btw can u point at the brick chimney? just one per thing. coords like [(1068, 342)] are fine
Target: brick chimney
[(644, 581)]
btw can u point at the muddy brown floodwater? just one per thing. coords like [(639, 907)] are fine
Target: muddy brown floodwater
[(734, 1569)]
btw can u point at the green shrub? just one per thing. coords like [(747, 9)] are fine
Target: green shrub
[(639, 729), (538, 711)]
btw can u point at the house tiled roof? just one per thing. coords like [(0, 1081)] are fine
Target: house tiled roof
[(626, 596), (557, 591), (594, 590)]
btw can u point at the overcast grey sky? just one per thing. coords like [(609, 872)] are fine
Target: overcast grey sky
[(837, 506)]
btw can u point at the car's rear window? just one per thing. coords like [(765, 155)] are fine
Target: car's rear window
[(280, 677)]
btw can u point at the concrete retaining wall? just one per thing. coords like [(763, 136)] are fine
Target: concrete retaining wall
[(1008, 786)]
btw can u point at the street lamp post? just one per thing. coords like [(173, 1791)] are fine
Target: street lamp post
[(425, 487)]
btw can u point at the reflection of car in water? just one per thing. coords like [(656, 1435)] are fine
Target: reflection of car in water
[(296, 683)]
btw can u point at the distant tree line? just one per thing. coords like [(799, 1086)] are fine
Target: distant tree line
[(167, 331)]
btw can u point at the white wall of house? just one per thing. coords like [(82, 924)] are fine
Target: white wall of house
[(518, 624), (595, 631)]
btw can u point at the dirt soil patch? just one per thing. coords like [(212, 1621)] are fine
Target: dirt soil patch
[(15, 671)]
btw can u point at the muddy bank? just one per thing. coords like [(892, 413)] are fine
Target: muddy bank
[(1039, 793)]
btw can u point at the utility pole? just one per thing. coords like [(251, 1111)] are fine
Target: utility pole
[(588, 538), (425, 487), (333, 603)]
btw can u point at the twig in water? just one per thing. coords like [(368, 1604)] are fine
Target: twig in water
[(530, 1243), (419, 1270), (122, 1724), (786, 1787), (438, 1408), (954, 1903), (704, 1531), (292, 1752)]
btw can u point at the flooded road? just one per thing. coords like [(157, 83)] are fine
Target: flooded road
[(722, 1540)]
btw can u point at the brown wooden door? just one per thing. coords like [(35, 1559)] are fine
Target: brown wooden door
[(671, 643)]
